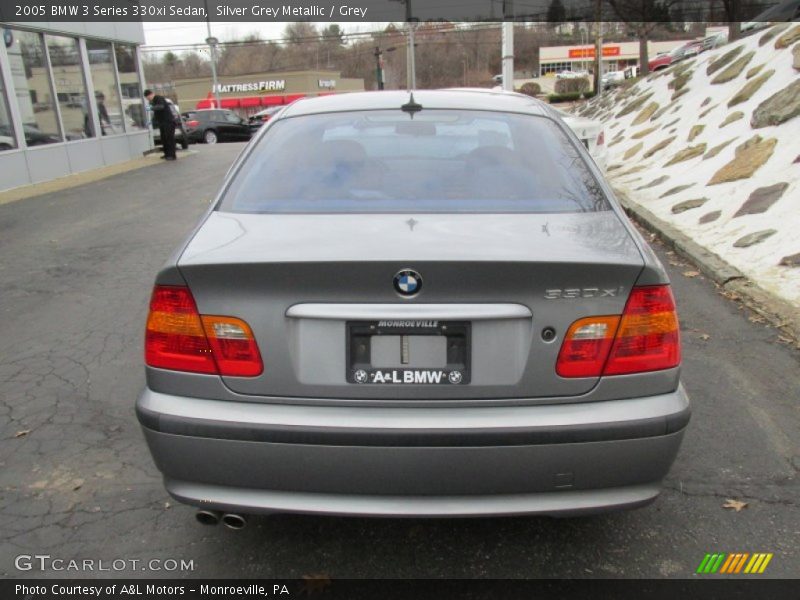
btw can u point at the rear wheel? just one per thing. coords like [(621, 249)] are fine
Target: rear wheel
[(210, 136)]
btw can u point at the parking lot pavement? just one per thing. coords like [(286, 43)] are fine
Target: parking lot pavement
[(77, 480)]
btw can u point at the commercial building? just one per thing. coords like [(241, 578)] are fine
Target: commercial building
[(616, 56), (247, 94), (70, 99)]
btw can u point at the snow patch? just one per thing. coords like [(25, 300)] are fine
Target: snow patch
[(760, 261)]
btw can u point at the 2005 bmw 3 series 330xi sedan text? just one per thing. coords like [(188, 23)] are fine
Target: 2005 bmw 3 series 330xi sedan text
[(423, 305)]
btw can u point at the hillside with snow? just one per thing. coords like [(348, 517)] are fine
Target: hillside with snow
[(712, 146)]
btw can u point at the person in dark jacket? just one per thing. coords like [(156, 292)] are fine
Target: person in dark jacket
[(102, 112), (164, 120)]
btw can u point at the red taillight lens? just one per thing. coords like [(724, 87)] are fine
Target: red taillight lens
[(174, 338), (192, 124), (586, 345), (233, 346), (601, 139), (648, 338), (645, 338), (178, 338)]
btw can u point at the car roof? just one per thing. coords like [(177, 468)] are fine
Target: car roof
[(464, 99)]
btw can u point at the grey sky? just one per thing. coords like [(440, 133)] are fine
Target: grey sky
[(162, 34)]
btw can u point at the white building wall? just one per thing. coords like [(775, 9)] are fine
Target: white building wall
[(26, 165), (564, 57)]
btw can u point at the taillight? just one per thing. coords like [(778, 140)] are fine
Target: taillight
[(180, 339), (644, 338), (192, 124), (648, 338), (601, 138), (585, 347), (233, 346)]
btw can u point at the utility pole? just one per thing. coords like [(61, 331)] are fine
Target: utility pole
[(379, 67), (598, 45), (508, 45), (212, 46)]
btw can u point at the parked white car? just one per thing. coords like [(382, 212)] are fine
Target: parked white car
[(571, 74), (612, 79), (591, 134)]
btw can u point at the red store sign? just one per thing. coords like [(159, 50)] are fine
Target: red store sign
[(588, 52)]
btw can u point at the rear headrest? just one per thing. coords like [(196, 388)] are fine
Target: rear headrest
[(341, 151)]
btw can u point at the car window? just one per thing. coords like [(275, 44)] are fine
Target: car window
[(439, 161), (232, 117)]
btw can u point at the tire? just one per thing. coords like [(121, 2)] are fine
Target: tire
[(184, 142), (210, 136)]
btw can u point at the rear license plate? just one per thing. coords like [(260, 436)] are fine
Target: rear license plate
[(408, 352)]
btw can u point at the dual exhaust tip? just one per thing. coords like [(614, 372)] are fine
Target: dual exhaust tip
[(213, 517)]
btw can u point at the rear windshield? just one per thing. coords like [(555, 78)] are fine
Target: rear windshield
[(439, 161)]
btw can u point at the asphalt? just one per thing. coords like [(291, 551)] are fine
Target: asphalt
[(77, 481)]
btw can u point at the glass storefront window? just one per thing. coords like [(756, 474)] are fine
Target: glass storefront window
[(132, 101), (32, 86), (70, 87), (109, 107), (7, 138)]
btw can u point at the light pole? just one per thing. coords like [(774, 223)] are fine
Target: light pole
[(212, 46), (598, 47), (508, 45)]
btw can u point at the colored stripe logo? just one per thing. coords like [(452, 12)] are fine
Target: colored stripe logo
[(734, 563)]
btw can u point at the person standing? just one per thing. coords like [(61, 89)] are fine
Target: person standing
[(102, 112), (163, 119)]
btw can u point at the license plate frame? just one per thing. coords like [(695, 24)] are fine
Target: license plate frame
[(361, 371)]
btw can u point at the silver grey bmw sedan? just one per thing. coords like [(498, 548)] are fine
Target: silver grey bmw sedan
[(413, 305)]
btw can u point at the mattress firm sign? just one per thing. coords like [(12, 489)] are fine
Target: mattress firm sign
[(273, 85)]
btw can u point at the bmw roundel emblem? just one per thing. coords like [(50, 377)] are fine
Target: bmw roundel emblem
[(407, 282)]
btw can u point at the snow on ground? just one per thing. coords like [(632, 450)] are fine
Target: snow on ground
[(706, 103)]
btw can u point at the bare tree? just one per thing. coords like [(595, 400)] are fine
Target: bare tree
[(732, 12), (643, 16)]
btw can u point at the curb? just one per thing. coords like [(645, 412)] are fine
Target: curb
[(780, 313)]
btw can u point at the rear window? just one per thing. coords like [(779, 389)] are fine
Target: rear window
[(439, 161)]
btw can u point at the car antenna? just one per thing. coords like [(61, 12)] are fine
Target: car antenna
[(412, 106)]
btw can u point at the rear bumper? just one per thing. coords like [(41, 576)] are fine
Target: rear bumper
[(554, 459)]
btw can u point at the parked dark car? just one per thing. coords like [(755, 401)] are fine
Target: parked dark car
[(216, 125), (261, 117), (33, 137)]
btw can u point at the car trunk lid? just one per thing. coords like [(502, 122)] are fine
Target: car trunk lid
[(301, 281)]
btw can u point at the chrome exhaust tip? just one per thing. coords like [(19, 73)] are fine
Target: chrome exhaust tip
[(234, 521), (208, 517)]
